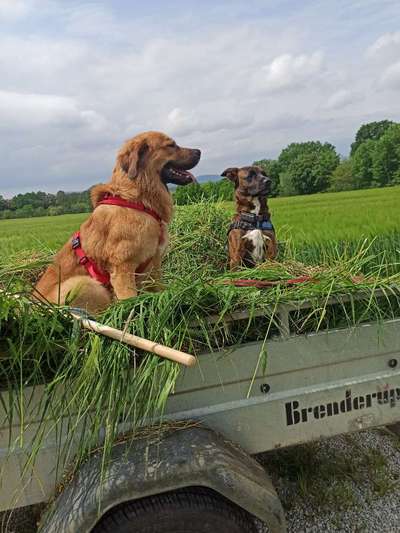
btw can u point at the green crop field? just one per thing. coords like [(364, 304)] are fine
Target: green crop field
[(39, 233), (313, 225)]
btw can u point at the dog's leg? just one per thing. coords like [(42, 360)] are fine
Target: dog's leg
[(236, 249), (235, 263), (80, 291), (271, 246), (155, 284), (123, 280)]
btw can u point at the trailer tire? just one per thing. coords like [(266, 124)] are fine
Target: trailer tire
[(184, 511)]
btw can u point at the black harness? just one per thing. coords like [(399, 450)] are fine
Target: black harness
[(250, 221)]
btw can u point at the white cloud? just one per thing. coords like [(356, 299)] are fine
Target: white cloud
[(290, 71), (77, 78), (391, 77), (18, 110), (388, 42), (181, 123), (30, 59), (90, 20), (341, 98), (13, 9)]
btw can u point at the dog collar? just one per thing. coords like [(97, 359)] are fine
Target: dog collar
[(109, 199)]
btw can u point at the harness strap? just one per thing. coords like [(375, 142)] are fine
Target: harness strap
[(92, 269), (109, 199), (250, 221)]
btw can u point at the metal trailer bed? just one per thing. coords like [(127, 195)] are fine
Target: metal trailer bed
[(316, 385)]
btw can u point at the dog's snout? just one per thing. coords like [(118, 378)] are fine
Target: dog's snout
[(197, 153)]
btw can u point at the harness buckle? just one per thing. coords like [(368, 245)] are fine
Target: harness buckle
[(76, 243)]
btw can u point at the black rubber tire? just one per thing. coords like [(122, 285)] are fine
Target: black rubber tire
[(184, 511)]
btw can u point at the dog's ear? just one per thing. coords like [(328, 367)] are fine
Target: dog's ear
[(133, 159), (231, 174)]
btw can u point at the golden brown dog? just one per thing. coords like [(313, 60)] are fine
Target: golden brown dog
[(122, 242), (251, 238)]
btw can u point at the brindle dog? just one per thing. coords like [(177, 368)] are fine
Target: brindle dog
[(251, 237)]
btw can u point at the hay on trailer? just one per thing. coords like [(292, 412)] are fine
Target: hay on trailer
[(103, 383)]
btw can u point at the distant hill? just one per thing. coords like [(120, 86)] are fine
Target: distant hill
[(204, 178), (208, 177)]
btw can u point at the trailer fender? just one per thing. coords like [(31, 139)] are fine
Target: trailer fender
[(172, 460)]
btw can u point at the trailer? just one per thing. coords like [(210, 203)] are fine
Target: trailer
[(196, 472)]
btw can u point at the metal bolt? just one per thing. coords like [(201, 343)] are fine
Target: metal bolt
[(392, 363), (265, 388)]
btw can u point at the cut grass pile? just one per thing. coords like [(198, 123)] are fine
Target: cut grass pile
[(104, 384)]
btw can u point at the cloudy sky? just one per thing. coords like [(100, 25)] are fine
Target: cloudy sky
[(238, 79)]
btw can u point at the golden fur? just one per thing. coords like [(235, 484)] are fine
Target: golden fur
[(120, 239)]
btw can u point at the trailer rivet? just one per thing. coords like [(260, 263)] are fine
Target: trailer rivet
[(392, 363), (265, 388)]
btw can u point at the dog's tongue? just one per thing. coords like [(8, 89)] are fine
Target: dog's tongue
[(191, 176)]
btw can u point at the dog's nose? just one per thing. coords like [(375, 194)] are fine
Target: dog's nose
[(197, 152)]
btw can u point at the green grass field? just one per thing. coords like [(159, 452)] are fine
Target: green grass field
[(334, 216), (30, 234), (313, 225)]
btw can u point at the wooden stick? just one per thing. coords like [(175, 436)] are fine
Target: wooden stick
[(133, 340), (139, 342)]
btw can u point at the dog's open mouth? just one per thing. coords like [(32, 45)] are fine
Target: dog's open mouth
[(176, 175)]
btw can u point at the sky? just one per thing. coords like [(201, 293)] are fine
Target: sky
[(238, 79)]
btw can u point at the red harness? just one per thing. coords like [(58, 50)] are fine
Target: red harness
[(92, 269)]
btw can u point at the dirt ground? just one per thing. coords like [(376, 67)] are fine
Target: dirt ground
[(349, 483)]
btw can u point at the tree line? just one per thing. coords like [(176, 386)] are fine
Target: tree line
[(38, 204), (301, 168), (311, 167)]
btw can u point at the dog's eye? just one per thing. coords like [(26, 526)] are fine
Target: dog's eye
[(171, 145), (250, 175)]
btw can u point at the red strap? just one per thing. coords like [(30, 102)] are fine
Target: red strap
[(92, 269), (109, 199), (260, 284)]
